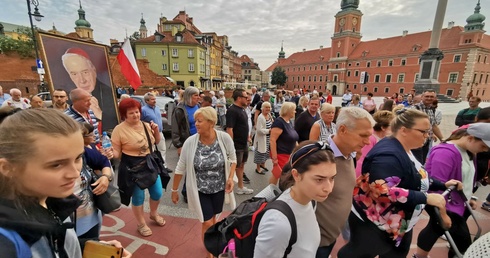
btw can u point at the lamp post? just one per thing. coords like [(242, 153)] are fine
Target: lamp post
[(37, 16)]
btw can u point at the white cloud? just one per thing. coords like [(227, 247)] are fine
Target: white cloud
[(254, 27)]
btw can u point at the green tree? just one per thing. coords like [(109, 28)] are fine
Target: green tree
[(24, 46), (279, 76), (135, 36)]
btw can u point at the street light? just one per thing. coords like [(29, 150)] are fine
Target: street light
[(37, 16)]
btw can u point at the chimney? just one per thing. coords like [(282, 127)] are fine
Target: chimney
[(450, 25), (321, 47), (405, 32), (191, 19), (304, 49)]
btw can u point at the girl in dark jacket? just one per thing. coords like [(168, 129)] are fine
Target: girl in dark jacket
[(40, 160)]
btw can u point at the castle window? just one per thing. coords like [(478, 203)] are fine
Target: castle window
[(453, 78), (388, 78), (457, 58)]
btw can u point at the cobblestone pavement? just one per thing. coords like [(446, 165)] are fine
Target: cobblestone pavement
[(181, 236)]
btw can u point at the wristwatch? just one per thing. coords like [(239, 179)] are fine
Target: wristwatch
[(108, 177)]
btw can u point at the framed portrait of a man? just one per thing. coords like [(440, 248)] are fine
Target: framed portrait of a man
[(72, 64)]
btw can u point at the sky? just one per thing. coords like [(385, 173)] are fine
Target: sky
[(254, 27)]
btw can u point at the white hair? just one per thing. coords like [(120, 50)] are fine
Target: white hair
[(15, 90), (348, 117)]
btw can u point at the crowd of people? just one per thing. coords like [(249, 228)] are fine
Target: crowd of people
[(369, 170)]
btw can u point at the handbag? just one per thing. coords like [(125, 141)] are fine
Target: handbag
[(110, 200), (155, 162), (142, 173)]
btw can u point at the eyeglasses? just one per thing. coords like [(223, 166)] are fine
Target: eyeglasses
[(424, 132)]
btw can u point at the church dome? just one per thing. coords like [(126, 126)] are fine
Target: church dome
[(81, 22), (349, 4), (476, 17)]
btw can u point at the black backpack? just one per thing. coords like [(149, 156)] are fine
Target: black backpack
[(242, 225)]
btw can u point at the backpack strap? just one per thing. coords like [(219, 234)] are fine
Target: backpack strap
[(21, 247), (286, 210)]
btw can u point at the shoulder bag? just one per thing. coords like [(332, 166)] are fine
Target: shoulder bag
[(110, 200), (155, 161)]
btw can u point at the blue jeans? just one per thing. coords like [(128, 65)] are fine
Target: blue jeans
[(324, 251), (155, 190)]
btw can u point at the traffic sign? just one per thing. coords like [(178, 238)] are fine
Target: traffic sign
[(40, 71), (39, 63)]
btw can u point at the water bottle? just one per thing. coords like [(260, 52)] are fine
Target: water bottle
[(106, 141)]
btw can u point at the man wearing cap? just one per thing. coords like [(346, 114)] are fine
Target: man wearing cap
[(83, 73)]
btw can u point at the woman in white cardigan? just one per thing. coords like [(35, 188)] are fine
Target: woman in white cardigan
[(262, 137), (208, 161)]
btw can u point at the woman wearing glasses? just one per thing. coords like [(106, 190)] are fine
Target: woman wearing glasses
[(311, 171), (453, 159), (391, 192)]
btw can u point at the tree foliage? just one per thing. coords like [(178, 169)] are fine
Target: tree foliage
[(135, 36), (24, 45), (279, 76)]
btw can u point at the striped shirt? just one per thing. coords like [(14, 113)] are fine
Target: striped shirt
[(325, 131), (84, 119)]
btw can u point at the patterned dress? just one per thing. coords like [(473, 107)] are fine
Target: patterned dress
[(209, 164), (260, 158)]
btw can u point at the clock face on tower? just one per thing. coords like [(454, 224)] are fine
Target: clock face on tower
[(354, 21), (342, 22)]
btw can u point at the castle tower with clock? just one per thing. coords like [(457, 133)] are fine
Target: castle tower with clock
[(347, 32)]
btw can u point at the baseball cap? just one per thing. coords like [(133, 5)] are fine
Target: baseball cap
[(481, 131)]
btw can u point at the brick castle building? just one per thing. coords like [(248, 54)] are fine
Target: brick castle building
[(391, 64)]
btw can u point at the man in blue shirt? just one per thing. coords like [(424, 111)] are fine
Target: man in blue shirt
[(151, 113)]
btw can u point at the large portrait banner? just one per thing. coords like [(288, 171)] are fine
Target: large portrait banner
[(71, 64)]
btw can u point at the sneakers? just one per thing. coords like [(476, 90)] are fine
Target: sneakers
[(244, 190), (485, 206), (245, 179)]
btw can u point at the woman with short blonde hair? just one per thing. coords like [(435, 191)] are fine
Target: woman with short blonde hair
[(208, 161), (287, 108), (323, 128), (283, 139)]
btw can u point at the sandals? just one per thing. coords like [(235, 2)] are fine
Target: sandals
[(159, 220), (144, 230), (264, 168)]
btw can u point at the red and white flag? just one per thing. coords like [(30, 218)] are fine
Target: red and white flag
[(128, 65)]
